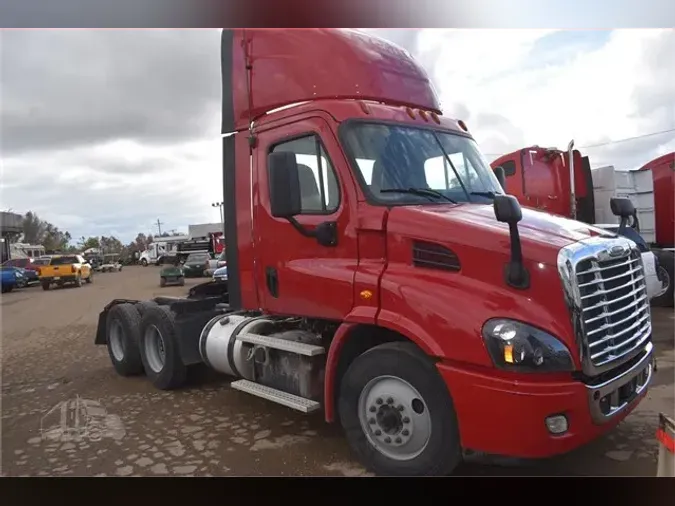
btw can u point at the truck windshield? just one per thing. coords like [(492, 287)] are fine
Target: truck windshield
[(409, 165)]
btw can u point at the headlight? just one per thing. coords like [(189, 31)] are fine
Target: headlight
[(515, 346), (17, 275)]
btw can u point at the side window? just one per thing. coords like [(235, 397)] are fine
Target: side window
[(509, 167), (319, 188)]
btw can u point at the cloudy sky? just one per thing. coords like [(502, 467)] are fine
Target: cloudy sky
[(104, 132)]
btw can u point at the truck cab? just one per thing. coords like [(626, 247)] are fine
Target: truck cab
[(378, 273)]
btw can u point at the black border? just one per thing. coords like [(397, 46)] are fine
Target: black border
[(608, 14)]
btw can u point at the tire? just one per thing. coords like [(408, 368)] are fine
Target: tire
[(144, 262), (162, 282), (8, 288), (45, 286), (181, 282), (405, 375), (159, 349), (90, 278), (78, 280), (666, 259), (143, 306), (123, 335)]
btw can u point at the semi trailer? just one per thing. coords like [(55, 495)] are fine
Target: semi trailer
[(541, 178), (379, 275)]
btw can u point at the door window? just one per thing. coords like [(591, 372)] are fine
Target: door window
[(319, 189)]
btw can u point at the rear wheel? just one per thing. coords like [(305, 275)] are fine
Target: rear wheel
[(162, 282), (159, 349), (45, 285), (123, 332), (397, 413)]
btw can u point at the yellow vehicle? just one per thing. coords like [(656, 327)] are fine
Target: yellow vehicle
[(64, 269)]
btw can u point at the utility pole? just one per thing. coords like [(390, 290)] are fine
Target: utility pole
[(159, 226)]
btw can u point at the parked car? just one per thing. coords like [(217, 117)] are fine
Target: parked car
[(29, 265), (196, 264), (220, 274), (216, 263), (12, 277)]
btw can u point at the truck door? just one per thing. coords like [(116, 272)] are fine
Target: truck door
[(295, 274)]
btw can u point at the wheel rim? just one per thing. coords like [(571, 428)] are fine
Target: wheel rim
[(116, 340), (154, 348), (394, 417), (665, 284)]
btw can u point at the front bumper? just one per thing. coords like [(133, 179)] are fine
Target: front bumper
[(504, 417)]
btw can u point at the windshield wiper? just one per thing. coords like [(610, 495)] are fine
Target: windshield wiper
[(424, 192), (488, 194)]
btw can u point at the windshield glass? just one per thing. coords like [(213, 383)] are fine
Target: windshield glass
[(197, 257), (41, 261), (396, 157)]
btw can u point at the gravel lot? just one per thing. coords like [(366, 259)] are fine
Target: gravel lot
[(50, 364)]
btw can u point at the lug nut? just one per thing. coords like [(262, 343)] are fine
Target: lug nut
[(371, 421), (399, 407), (379, 401), (398, 440), (390, 400), (405, 432), (387, 439), (373, 409), (406, 419), (378, 432)]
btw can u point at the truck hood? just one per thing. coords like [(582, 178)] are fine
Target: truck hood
[(475, 225)]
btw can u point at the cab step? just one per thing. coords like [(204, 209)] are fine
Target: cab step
[(274, 395), (308, 350)]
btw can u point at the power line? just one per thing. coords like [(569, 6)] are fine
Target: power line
[(608, 143)]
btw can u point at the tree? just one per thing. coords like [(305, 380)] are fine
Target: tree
[(89, 242), (37, 231)]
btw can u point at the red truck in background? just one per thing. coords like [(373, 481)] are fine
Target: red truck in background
[(540, 178), (379, 274)]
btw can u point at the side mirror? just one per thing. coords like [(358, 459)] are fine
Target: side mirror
[(507, 210), (501, 176), (624, 209), (621, 207), (284, 184)]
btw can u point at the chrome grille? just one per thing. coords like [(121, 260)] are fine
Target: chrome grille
[(608, 298)]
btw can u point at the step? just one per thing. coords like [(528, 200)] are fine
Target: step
[(274, 395), (309, 350)]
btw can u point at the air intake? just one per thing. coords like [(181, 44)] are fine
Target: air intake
[(434, 256)]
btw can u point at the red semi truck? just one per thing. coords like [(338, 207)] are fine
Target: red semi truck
[(378, 273), (540, 178)]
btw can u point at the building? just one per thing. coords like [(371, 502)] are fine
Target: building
[(203, 230), (11, 227)]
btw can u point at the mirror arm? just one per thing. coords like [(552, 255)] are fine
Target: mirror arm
[(300, 228)]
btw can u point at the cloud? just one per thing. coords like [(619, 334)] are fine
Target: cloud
[(105, 131)]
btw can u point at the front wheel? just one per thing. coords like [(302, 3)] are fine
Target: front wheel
[(90, 278), (45, 285), (144, 262), (666, 274), (397, 413)]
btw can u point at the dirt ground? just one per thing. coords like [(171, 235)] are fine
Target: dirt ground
[(50, 366)]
